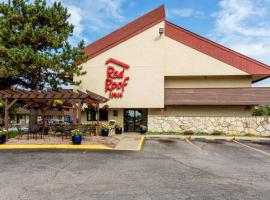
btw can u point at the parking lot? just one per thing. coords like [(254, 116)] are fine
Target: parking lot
[(164, 169)]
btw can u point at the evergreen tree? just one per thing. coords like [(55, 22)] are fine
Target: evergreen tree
[(34, 49)]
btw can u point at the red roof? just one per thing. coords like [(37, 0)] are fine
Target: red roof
[(139, 25), (215, 50), (179, 34), (112, 60)]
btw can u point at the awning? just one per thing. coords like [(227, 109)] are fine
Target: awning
[(217, 96)]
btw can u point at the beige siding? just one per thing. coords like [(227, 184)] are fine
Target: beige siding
[(182, 60), (202, 111), (120, 118), (145, 55), (208, 82)]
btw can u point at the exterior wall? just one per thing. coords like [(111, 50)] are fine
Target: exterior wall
[(120, 118), (158, 62), (182, 60), (208, 82), (145, 55), (230, 125), (202, 111), (84, 119)]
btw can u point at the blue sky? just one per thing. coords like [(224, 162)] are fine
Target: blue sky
[(243, 25)]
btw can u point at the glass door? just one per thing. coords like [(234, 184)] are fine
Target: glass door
[(133, 118)]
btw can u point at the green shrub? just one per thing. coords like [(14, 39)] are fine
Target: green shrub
[(261, 111), (201, 133), (12, 134), (165, 133), (188, 132), (250, 135), (216, 133)]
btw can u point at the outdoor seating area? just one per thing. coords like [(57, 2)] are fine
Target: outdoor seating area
[(61, 135), (44, 104)]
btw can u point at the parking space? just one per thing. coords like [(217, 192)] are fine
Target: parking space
[(164, 169)]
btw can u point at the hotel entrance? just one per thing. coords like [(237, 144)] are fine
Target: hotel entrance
[(133, 118)]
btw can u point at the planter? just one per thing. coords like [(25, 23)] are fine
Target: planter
[(105, 132), (76, 139), (118, 130), (143, 130), (3, 139)]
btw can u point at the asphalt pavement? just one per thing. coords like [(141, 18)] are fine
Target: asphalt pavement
[(164, 169)]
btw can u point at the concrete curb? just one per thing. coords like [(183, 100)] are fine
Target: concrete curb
[(192, 137), (83, 147), (70, 147)]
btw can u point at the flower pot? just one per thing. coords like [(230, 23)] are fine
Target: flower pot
[(118, 130), (143, 130), (3, 139), (76, 139), (105, 132)]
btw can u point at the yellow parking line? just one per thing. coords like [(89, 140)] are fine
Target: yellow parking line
[(187, 139), (99, 147), (255, 149), (139, 147)]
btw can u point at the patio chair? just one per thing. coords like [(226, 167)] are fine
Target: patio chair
[(85, 130), (92, 129), (20, 131), (66, 131), (43, 131), (58, 129), (34, 130)]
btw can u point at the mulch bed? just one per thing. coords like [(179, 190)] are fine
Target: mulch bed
[(110, 141)]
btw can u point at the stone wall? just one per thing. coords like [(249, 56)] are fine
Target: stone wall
[(230, 125)]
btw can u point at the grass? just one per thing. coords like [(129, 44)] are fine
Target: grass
[(164, 133), (198, 133)]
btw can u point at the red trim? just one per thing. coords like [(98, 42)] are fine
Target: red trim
[(215, 50), (112, 60), (126, 32)]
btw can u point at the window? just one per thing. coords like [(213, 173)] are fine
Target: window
[(92, 115), (115, 113), (103, 114)]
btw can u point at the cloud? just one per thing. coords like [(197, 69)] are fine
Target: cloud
[(185, 12), (93, 16), (244, 25)]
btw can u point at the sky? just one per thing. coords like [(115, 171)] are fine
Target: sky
[(242, 25)]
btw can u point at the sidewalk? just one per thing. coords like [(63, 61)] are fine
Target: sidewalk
[(130, 142)]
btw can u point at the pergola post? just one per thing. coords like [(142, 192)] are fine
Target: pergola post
[(97, 107), (79, 113), (6, 114), (7, 107)]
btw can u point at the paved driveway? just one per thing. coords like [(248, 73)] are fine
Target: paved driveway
[(164, 169)]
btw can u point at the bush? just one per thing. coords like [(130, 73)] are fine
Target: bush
[(188, 132), (261, 111), (165, 133), (12, 134), (250, 135), (217, 133), (201, 133)]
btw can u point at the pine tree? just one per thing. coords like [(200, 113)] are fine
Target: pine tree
[(35, 51)]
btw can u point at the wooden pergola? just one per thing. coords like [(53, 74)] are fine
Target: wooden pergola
[(75, 98)]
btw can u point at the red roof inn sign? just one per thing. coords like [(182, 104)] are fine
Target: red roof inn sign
[(116, 81)]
